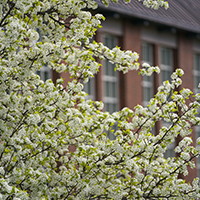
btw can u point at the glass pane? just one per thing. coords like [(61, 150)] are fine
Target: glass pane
[(196, 81), (197, 71), (168, 62), (110, 107), (106, 89), (169, 153), (38, 72), (110, 135), (147, 53), (114, 89), (162, 57), (106, 67), (147, 56), (168, 75), (112, 42), (163, 75), (147, 93), (199, 79), (114, 107), (143, 52), (147, 79), (110, 77), (198, 161), (113, 73), (87, 87), (46, 75), (110, 89), (166, 56), (107, 106), (196, 63), (110, 69), (107, 41), (145, 98), (198, 173)]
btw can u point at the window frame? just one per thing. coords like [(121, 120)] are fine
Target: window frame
[(147, 84), (110, 100), (196, 73), (166, 67), (169, 68)]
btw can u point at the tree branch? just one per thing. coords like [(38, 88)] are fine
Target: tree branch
[(12, 6)]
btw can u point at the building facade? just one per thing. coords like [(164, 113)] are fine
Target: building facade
[(167, 38)]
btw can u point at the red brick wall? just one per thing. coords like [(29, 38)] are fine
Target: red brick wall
[(185, 61), (131, 81)]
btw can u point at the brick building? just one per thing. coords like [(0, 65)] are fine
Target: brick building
[(167, 38)]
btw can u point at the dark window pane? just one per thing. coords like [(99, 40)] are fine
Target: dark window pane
[(46, 75)]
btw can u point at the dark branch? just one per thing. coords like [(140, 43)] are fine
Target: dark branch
[(11, 8)]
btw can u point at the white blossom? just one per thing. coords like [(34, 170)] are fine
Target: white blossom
[(54, 142)]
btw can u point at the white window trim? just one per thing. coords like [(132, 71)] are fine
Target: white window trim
[(166, 67)]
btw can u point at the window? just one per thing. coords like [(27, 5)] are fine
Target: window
[(198, 159), (166, 71), (45, 73), (166, 63), (110, 82), (147, 83), (110, 78), (89, 89), (170, 149), (196, 74)]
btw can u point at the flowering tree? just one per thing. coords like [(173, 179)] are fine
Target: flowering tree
[(40, 121)]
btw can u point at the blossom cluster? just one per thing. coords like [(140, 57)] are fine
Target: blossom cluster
[(53, 142)]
